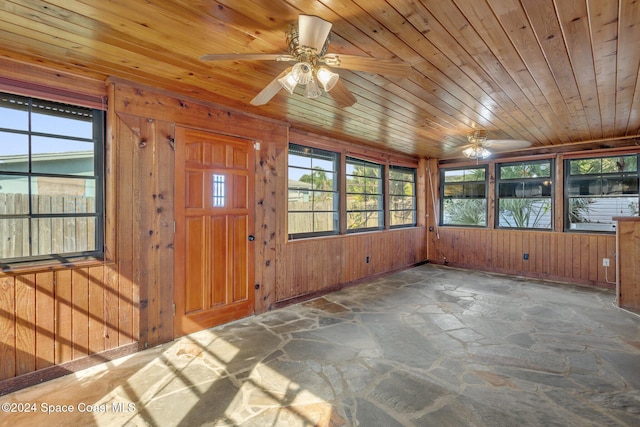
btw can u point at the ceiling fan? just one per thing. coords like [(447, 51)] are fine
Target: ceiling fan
[(307, 41), (478, 143)]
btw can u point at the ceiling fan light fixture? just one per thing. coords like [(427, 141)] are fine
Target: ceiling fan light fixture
[(303, 72), (327, 78), (289, 81), (312, 90), (476, 152)]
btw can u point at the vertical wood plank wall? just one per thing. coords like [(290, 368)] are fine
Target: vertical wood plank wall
[(553, 255), (567, 257), (628, 247), (313, 265)]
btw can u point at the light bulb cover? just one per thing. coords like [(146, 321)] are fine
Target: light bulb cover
[(312, 90), (327, 78), (303, 72), (288, 82)]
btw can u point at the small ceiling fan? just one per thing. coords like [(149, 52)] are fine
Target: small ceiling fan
[(478, 145), (307, 41)]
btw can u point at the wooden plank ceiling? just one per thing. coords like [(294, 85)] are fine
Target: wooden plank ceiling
[(553, 72)]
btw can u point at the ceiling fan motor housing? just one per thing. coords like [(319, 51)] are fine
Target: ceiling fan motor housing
[(303, 52)]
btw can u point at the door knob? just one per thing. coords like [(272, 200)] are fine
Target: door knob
[(252, 238)]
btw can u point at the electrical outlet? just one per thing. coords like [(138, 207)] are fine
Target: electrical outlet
[(605, 262)]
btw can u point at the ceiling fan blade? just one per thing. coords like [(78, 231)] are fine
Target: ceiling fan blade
[(313, 31), (270, 90), (342, 95), (506, 144), (386, 67), (247, 57)]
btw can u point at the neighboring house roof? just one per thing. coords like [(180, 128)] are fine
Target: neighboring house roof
[(300, 185), (42, 157)]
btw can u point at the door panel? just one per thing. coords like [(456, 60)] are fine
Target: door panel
[(214, 259)]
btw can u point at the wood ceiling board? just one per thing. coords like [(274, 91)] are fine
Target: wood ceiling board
[(549, 71)]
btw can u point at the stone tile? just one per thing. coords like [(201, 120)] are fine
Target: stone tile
[(430, 346)]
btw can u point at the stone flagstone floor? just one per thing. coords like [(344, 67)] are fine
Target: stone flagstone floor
[(429, 346)]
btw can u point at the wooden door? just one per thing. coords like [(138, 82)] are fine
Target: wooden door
[(214, 254)]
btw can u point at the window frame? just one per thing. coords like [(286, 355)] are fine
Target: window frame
[(98, 138), (525, 180), (444, 184), (335, 192), (596, 176), (381, 208), (414, 204)]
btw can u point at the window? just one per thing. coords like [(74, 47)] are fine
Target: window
[(50, 180), (524, 193), (218, 196), (464, 196), (599, 188), (365, 207), (313, 192), (402, 196)]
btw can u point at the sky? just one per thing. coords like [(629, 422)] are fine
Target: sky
[(14, 144)]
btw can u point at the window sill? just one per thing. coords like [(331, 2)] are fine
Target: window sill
[(50, 265)]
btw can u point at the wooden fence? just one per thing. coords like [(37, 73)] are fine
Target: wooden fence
[(48, 235)]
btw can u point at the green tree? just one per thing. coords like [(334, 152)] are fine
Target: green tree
[(460, 208), (363, 196), (466, 211), (522, 211)]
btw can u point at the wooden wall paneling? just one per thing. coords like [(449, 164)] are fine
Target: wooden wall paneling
[(164, 204), (567, 255), (505, 250), (558, 207), (421, 194), (111, 165), (152, 103), (273, 264), (542, 258), (315, 265), (570, 257), (153, 206), (583, 256), (612, 254), (80, 312), (96, 310), (264, 161), (45, 319), (7, 327), (432, 182), (360, 248), (454, 247), (128, 131), (476, 248), (143, 184), (513, 255), (551, 252), (528, 241), (628, 268), (576, 251), (25, 327), (459, 246), (149, 156), (593, 265), (112, 299), (87, 84), (64, 310)]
